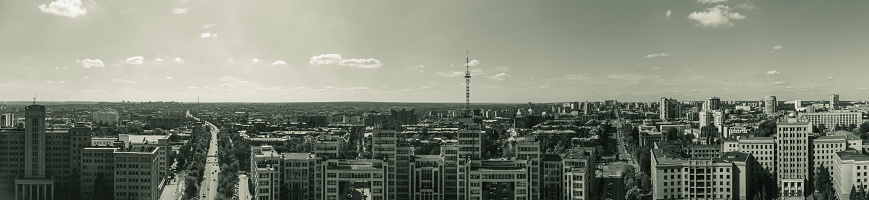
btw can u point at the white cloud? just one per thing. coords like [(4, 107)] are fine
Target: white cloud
[(718, 16), (279, 62), (256, 60), (772, 72), (208, 25), (331, 59), (136, 60), (777, 47), (669, 13), (778, 83), (425, 87), (499, 77), (66, 8), (208, 35), (746, 6), (452, 74), (84, 77), (655, 55), (474, 63), (178, 59), (125, 81), (711, 1), (829, 78), (158, 60), (178, 11), (168, 78), (656, 68), (88, 63)]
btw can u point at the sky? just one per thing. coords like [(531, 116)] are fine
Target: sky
[(415, 51)]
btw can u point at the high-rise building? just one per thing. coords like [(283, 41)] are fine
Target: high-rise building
[(834, 101), (713, 103), (669, 109), (792, 158), (7, 120), (770, 105)]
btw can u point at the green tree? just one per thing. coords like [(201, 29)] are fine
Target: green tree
[(854, 195), (822, 128), (672, 134), (633, 194), (766, 128), (823, 182)]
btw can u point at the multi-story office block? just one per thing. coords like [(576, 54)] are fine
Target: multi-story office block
[(137, 173), (97, 172), (357, 178), (328, 145), (731, 176), (578, 169), (763, 149), (493, 179), (450, 157), (425, 180), (161, 142), (792, 158), (834, 101), (299, 175), (7, 120), (831, 119), (80, 135), (265, 173), (850, 169)]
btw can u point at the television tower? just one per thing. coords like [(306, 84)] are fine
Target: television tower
[(468, 111)]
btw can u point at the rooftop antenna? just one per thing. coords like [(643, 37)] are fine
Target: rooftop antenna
[(34, 98), (467, 84)]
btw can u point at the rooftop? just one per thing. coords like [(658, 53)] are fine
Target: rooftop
[(850, 155)]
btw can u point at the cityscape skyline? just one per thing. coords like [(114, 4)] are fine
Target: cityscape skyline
[(409, 52)]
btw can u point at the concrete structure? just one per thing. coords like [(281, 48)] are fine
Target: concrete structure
[(792, 158), (669, 109), (648, 139), (97, 174), (731, 176), (763, 149), (713, 103), (834, 101), (137, 173), (7, 120), (850, 169), (770, 105), (107, 117), (831, 119)]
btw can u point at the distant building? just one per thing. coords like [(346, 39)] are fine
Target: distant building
[(770, 105), (7, 120), (831, 119), (107, 117), (669, 109), (713, 103), (834, 101)]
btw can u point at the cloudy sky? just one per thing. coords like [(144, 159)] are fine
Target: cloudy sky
[(540, 51)]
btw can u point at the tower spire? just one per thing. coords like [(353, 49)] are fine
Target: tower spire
[(468, 111)]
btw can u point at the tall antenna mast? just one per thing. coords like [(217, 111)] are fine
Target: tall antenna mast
[(468, 112)]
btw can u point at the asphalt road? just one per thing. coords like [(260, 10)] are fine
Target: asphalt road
[(208, 188)]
